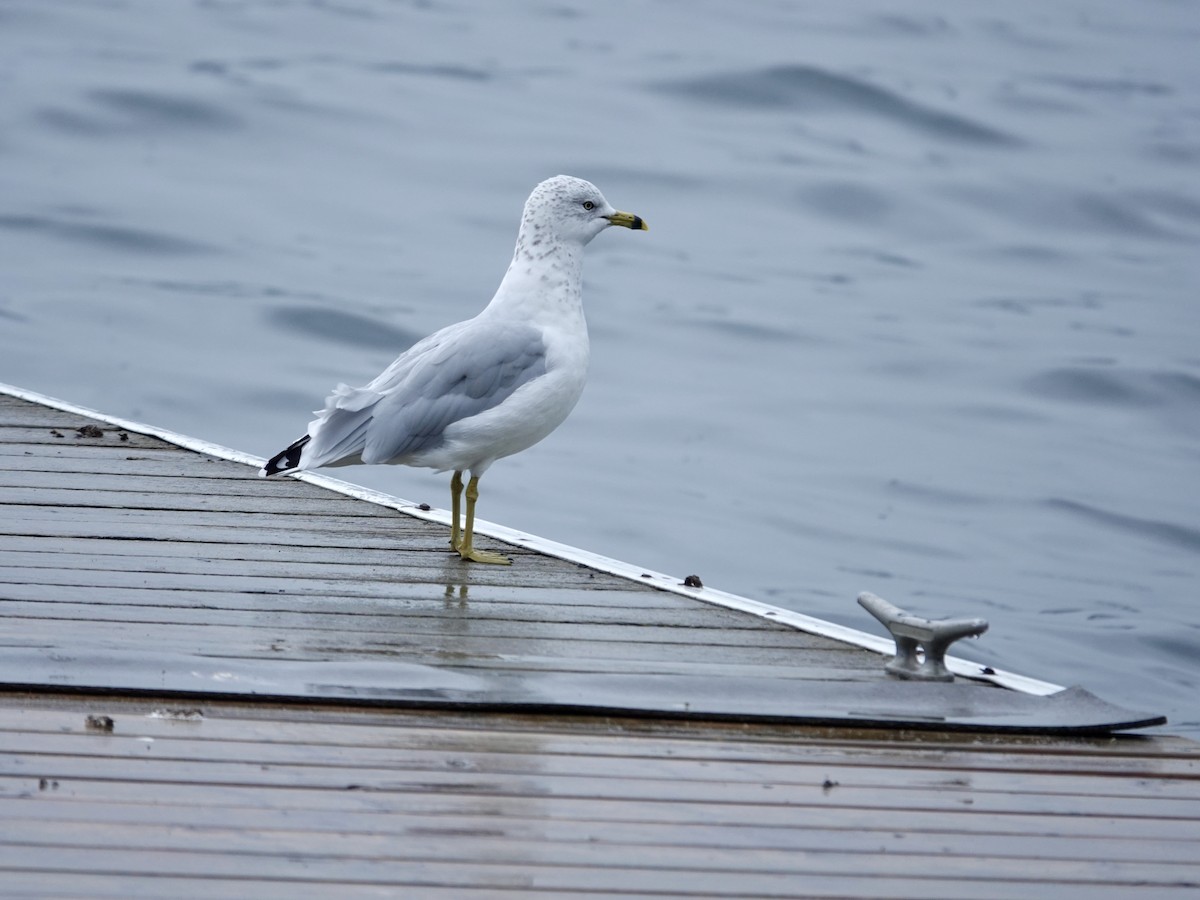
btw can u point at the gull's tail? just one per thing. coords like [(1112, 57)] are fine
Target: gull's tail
[(286, 461)]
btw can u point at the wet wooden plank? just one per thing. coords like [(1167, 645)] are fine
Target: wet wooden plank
[(334, 531), (123, 481), (565, 865), (290, 503), (68, 435), (498, 622), (636, 782), (796, 771), (1130, 758), (323, 876), (469, 655), (115, 462), (804, 833), (283, 570), (409, 567), (399, 595), (358, 807), (397, 600), (230, 628), (243, 801), (385, 562)]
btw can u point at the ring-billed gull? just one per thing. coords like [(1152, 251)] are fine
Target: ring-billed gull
[(486, 388)]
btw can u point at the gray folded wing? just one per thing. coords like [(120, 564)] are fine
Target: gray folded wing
[(457, 373)]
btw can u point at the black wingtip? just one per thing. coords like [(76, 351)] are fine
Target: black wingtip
[(287, 460)]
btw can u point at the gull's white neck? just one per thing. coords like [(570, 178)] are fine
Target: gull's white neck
[(545, 276)]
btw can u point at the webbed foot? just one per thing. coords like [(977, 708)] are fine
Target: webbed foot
[(484, 556)]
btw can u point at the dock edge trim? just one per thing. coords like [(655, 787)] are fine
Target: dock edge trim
[(879, 643)]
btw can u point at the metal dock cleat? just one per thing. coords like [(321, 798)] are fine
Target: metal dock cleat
[(920, 643)]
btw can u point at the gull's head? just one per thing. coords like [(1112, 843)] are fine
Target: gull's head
[(570, 209)]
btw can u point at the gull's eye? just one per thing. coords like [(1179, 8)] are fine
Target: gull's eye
[(588, 204)]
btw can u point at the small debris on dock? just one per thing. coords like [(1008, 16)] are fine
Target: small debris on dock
[(693, 581), (99, 723), (56, 432), (88, 431)]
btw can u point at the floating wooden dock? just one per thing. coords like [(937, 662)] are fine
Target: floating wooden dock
[(216, 686)]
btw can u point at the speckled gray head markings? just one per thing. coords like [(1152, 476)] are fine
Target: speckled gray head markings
[(558, 193), (553, 203), (559, 187)]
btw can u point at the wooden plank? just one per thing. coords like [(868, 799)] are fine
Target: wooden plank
[(798, 771), (623, 661), (503, 623), (398, 608), (360, 807), (67, 433), (806, 833), (409, 801), (22, 455), (123, 481), (263, 854), (357, 805), (563, 881), (546, 604), (264, 502), (97, 886), (635, 786), (403, 595), (366, 518), (427, 565), (167, 463), (349, 532), (1129, 758), (193, 557), (466, 653)]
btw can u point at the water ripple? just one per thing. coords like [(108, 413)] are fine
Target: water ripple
[(808, 88), (748, 331), (848, 200), (1049, 208), (451, 71), (1117, 387), (1181, 536), (335, 325), (111, 237), (116, 111), (1110, 86)]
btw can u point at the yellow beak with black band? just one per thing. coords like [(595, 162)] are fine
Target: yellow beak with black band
[(629, 220)]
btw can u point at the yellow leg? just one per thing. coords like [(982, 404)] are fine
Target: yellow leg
[(456, 487), (467, 549)]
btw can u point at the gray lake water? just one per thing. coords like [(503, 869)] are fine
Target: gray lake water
[(917, 312)]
